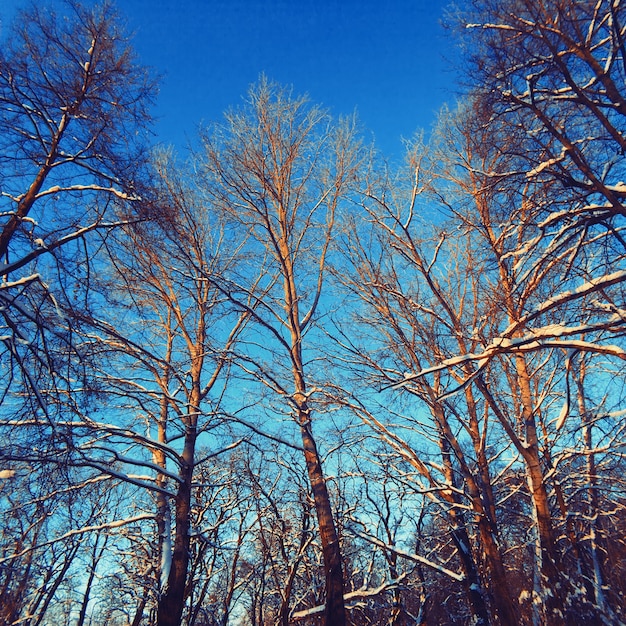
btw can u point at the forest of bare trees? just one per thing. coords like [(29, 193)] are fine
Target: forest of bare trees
[(283, 380)]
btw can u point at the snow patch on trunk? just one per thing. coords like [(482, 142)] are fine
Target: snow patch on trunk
[(166, 550)]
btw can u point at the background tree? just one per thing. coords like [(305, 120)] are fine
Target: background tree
[(551, 74), (419, 291), (438, 310), (73, 108), (73, 113), (163, 373)]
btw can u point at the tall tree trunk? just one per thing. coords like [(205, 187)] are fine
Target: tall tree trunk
[(460, 536), (594, 533), (334, 612), (483, 502), (95, 559), (172, 602), (481, 497), (552, 583), (472, 583), (138, 617), (500, 592)]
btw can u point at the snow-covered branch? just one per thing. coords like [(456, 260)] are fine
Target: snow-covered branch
[(411, 556), (350, 597), (121, 195)]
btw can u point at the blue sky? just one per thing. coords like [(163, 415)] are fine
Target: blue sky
[(383, 59)]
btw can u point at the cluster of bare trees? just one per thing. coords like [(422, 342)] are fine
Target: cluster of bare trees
[(290, 383)]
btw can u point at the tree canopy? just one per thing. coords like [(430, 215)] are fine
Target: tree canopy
[(286, 381)]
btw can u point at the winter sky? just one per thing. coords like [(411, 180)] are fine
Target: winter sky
[(384, 59)]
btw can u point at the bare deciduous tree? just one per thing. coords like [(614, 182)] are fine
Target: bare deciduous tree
[(73, 109), (278, 170), (73, 114), (164, 372)]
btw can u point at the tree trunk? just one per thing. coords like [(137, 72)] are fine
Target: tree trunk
[(481, 497), (140, 609), (172, 602), (334, 612), (460, 536), (472, 583), (500, 592), (95, 559), (552, 584)]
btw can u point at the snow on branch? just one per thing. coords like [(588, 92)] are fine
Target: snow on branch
[(112, 430), (25, 280), (108, 470), (112, 190), (117, 457), (410, 556), (43, 248), (363, 592), (545, 164), (491, 26), (549, 336), (591, 286)]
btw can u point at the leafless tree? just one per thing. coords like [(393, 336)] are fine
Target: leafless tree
[(413, 315), (277, 169), (162, 373), (73, 113), (73, 109), (556, 261), (550, 74)]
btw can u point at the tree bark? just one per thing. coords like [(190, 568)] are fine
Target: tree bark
[(172, 602), (551, 584), (334, 612)]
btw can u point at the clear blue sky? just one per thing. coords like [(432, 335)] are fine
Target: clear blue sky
[(384, 59)]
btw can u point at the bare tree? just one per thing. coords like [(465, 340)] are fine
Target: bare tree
[(415, 314), (164, 372), (51, 530), (278, 170), (551, 74), (73, 108), (73, 113), (555, 276), (286, 577), (511, 357), (224, 520)]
